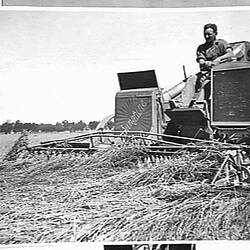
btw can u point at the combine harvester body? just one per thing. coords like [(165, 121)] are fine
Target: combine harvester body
[(225, 114), (144, 116)]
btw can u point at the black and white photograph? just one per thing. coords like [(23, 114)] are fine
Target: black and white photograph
[(127, 125)]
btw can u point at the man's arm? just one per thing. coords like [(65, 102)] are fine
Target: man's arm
[(224, 58), (229, 54), (200, 56), (227, 50)]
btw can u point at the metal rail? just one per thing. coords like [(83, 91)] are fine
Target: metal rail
[(137, 134), (152, 145), (150, 140)]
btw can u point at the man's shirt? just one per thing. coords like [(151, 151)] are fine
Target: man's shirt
[(210, 51)]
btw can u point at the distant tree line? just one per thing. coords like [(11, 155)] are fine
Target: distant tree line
[(9, 127)]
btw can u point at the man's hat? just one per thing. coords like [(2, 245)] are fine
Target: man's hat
[(212, 26)]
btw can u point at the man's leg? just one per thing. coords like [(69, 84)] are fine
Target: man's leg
[(189, 90)]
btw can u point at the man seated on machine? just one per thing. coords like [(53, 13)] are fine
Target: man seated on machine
[(213, 52)]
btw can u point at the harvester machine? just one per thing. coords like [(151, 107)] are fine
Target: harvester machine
[(144, 115), (141, 118)]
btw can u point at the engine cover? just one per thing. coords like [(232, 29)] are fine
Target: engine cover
[(230, 94)]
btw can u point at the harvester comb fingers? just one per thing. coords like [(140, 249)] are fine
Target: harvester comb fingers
[(157, 159), (152, 158), (144, 159), (140, 163), (162, 158), (148, 161)]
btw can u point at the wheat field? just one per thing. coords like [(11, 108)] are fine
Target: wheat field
[(112, 196)]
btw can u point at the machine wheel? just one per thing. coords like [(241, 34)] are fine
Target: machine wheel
[(106, 123)]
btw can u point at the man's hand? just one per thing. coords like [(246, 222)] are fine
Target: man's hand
[(202, 61), (205, 63), (208, 64), (215, 62)]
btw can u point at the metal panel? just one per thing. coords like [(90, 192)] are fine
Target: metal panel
[(231, 66), (244, 50), (133, 113), (191, 122), (137, 80), (127, 3), (231, 97)]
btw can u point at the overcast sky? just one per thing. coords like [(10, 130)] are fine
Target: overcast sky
[(62, 64)]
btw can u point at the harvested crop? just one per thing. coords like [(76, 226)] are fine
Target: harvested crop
[(114, 196), (19, 149)]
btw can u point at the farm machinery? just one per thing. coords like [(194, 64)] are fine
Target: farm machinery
[(144, 116)]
